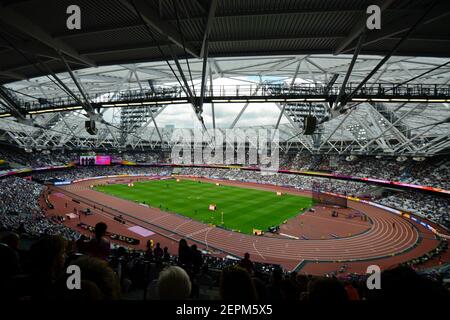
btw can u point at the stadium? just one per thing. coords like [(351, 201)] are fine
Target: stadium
[(225, 150)]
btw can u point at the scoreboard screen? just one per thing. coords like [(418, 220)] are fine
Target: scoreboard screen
[(95, 160), (102, 160)]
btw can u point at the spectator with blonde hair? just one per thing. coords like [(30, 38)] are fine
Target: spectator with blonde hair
[(174, 284)]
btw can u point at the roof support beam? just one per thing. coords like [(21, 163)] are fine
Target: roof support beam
[(35, 48), (202, 86), (204, 52), (209, 23), (188, 90), (10, 104), (360, 27), (394, 49), (283, 64), (391, 126), (25, 26), (439, 140), (156, 127), (336, 128), (12, 75), (280, 116), (152, 19), (87, 105), (347, 75), (213, 114), (397, 27), (243, 108)]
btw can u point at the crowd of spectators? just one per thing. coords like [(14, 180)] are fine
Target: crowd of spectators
[(18, 195), (435, 253), (432, 207), (17, 158), (20, 211), (430, 172), (434, 171), (283, 179), (82, 172), (114, 274), (145, 157)]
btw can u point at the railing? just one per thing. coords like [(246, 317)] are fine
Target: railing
[(252, 91)]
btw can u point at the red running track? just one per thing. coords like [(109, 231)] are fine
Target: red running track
[(389, 235)]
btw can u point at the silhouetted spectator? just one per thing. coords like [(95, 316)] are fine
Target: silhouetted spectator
[(99, 247), (11, 239), (352, 292), (288, 290), (236, 284), (325, 290), (274, 289), (149, 253), (184, 253), (98, 281), (158, 252), (47, 262), (260, 287), (246, 263), (197, 259), (166, 257), (402, 283), (9, 267)]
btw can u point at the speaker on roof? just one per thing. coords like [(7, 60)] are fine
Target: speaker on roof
[(310, 124), (90, 127)]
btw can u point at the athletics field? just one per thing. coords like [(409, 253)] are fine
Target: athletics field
[(243, 209)]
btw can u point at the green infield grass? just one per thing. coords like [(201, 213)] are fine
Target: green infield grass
[(243, 209)]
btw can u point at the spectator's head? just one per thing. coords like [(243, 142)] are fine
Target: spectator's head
[(121, 251), (174, 284), (194, 247), (100, 230), (158, 244), (403, 282), (302, 282), (293, 275), (288, 290), (326, 290), (260, 288), (247, 256), (9, 265), (183, 247), (236, 284), (277, 275), (11, 239), (48, 256), (98, 281)]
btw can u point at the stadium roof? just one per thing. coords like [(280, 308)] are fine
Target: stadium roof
[(238, 44), (113, 33)]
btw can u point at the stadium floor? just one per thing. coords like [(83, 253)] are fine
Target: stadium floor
[(389, 240)]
